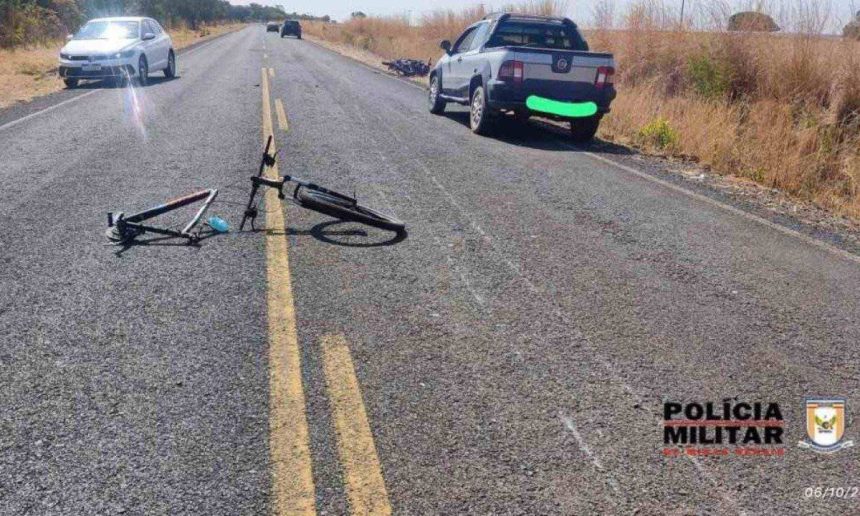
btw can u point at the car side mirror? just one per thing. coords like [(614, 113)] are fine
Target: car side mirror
[(148, 36), (446, 46)]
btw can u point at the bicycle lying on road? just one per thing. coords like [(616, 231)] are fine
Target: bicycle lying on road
[(314, 197), (124, 229)]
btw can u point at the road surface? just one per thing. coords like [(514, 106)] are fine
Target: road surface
[(511, 355)]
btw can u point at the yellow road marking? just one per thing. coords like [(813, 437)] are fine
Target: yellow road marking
[(289, 448), (272, 73), (282, 115), (362, 472)]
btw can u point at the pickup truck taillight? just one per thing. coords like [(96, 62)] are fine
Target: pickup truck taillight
[(605, 75), (511, 71)]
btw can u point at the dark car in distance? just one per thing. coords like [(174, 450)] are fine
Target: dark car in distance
[(291, 28), (273, 27)]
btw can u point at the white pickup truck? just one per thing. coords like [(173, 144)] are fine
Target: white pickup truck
[(525, 65)]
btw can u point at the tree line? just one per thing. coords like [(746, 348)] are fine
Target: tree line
[(32, 21)]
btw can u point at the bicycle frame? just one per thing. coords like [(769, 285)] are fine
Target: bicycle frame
[(123, 229)]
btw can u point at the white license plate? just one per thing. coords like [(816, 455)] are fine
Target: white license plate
[(92, 68)]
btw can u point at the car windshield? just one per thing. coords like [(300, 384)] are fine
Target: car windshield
[(109, 30), (539, 35)]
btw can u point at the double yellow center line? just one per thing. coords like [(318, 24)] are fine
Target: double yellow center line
[(289, 449), (365, 486), (293, 489)]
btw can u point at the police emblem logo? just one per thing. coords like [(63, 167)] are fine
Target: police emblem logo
[(825, 425)]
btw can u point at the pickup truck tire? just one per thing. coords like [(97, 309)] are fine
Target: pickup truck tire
[(480, 118), (583, 129), (71, 83), (436, 103)]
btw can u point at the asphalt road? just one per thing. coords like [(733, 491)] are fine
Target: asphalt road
[(511, 355)]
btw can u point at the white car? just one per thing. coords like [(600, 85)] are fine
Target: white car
[(117, 48)]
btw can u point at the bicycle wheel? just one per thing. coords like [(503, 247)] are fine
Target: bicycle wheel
[(345, 208)]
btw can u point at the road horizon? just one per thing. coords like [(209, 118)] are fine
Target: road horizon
[(551, 311)]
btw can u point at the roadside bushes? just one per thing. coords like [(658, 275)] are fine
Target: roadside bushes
[(709, 78), (25, 22), (659, 133), (781, 110)]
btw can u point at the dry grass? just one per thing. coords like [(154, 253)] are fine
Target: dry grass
[(394, 37), (782, 110), (26, 73)]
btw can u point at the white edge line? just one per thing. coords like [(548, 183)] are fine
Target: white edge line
[(13, 123), (749, 216), (727, 207), (703, 198), (583, 446)]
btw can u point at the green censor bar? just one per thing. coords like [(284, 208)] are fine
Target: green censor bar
[(567, 109)]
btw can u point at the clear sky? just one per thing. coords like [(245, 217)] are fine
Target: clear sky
[(579, 10)]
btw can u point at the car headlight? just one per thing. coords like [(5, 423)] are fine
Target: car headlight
[(65, 56), (122, 55)]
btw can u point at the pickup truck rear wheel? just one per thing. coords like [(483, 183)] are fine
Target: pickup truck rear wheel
[(583, 129), (479, 113), (437, 104), (71, 83)]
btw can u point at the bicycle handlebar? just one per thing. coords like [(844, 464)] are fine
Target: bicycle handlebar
[(269, 160)]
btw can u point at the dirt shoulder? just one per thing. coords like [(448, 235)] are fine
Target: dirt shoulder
[(27, 73), (362, 56)]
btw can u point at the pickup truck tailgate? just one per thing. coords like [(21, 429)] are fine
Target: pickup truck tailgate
[(561, 75)]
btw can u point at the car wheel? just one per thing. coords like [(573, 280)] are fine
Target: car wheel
[(170, 71), (437, 104), (582, 130), (71, 83), (142, 71), (479, 113), (299, 36)]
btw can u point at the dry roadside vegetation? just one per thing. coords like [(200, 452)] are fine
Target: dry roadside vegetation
[(32, 32), (30, 71), (781, 109)]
